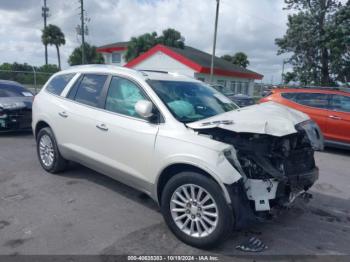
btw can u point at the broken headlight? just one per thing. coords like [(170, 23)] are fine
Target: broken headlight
[(313, 133)]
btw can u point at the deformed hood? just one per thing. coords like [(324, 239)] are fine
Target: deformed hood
[(267, 118)]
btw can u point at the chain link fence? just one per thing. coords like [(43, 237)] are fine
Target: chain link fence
[(33, 80)]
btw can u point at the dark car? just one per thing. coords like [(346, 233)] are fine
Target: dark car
[(15, 106), (239, 99), (242, 100)]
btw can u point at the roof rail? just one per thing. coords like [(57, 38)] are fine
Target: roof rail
[(154, 71), (335, 88)]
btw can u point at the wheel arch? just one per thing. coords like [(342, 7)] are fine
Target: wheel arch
[(40, 125), (176, 168)]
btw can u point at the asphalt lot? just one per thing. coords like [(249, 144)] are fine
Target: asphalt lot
[(83, 212)]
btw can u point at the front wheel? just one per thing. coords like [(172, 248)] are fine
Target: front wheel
[(196, 211)]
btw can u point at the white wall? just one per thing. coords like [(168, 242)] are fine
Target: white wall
[(161, 61), (228, 80)]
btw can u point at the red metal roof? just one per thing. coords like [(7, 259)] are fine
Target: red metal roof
[(119, 46), (198, 61)]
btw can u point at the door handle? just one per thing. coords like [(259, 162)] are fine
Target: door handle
[(335, 117), (102, 127), (63, 114)]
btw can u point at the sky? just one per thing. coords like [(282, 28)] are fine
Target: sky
[(250, 26)]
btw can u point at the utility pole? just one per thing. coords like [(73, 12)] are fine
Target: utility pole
[(214, 43), (282, 75), (82, 32), (45, 14)]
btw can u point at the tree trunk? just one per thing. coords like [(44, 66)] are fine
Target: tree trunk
[(325, 79), (46, 61), (58, 57)]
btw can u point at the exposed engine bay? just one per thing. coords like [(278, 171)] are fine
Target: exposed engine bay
[(275, 170)]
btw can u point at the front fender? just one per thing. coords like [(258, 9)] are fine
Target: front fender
[(219, 169)]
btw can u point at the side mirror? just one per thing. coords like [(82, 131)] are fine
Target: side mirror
[(144, 108)]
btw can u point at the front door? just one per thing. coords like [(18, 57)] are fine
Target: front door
[(124, 139)]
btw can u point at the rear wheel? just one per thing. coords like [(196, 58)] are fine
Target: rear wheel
[(48, 153), (196, 211)]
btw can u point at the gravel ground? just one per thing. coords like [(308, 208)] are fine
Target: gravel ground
[(84, 212)]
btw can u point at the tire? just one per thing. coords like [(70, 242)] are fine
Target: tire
[(45, 143), (220, 227)]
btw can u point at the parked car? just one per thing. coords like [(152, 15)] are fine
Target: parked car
[(209, 165), (239, 99), (15, 106), (330, 109), (242, 100)]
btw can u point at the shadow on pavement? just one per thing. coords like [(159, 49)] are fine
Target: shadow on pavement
[(14, 134), (321, 226), (337, 151), (318, 228), (78, 171)]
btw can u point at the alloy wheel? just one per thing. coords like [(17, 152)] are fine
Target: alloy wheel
[(46, 150), (194, 210)]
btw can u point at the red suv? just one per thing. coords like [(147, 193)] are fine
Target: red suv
[(329, 108)]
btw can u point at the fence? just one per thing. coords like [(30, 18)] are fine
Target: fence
[(33, 80)]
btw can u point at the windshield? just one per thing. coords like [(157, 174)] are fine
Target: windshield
[(7, 90), (191, 101)]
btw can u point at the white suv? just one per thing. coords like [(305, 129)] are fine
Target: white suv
[(210, 165)]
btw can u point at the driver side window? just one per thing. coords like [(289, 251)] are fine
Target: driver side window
[(122, 96)]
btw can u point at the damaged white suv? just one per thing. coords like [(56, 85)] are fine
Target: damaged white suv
[(210, 165)]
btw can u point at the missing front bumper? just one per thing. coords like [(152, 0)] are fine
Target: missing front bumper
[(268, 193)]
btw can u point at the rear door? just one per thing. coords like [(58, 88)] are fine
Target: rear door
[(54, 106), (79, 117), (338, 122), (316, 105)]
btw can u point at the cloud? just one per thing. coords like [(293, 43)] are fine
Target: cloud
[(248, 26)]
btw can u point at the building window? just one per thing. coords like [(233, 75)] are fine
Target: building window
[(239, 87), (245, 88), (222, 83), (116, 58), (233, 86)]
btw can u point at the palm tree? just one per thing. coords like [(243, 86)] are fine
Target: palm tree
[(52, 35)]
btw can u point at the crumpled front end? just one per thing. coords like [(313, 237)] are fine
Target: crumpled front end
[(275, 169)]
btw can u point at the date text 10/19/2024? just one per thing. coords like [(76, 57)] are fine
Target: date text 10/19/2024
[(173, 258)]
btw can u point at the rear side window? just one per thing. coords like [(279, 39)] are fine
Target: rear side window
[(58, 83), (90, 89), (340, 103), (313, 100), (289, 96)]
